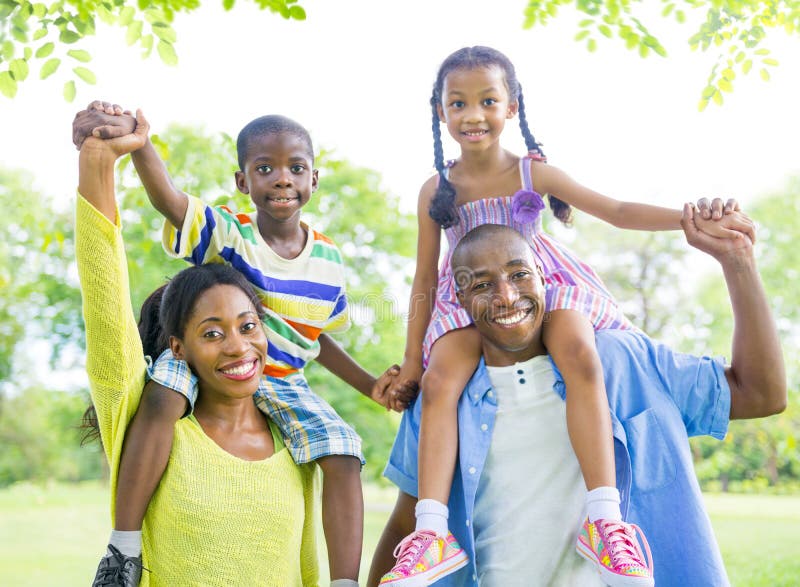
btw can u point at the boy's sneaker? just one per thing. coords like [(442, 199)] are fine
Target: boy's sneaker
[(614, 549), (118, 570), (423, 558)]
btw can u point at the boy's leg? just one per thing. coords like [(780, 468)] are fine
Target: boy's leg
[(342, 514), (145, 453)]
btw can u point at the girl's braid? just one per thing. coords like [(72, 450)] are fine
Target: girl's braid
[(561, 209), (443, 204)]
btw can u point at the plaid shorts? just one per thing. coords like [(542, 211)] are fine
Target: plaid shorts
[(310, 426)]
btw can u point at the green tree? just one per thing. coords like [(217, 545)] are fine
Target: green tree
[(40, 299), (764, 452), (40, 434), (46, 35), (735, 29), (642, 270), (49, 34)]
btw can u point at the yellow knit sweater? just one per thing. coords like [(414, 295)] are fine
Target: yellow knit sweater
[(215, 519)]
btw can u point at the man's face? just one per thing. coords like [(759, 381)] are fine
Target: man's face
[(501, 287)]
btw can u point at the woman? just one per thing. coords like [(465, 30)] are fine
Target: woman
[(232, 507)]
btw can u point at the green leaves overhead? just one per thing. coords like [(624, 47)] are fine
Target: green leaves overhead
[(734, 29), (65, 25)]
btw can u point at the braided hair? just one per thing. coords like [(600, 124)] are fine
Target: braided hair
[(443, 204)]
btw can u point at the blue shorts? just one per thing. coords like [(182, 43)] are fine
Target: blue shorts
[(310, 426)]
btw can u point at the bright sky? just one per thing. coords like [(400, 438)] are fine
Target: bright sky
[(358, 74)]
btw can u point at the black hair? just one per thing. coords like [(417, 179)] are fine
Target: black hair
[(462, 274), (443, 205), (266, 125), (166, 311)]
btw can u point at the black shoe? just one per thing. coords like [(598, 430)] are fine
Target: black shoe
[(118, 570)]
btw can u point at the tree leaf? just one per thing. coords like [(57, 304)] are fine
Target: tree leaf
[(746, 66), (167, 53), (40, 33), (8, 86), (228, 4), (164, 32), (725, 85), (85, 74), (69, 91), (297, 13), (49, 68), (68, 37), (126, 15), (7, 50), (80, 55), (770, 61), (717, 97), (728, 74), (764, 75), (134, 32), (19, 69)]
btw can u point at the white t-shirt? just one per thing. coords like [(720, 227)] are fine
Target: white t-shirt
[(530, 500)]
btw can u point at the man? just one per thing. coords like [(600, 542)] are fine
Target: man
[(518, 492)]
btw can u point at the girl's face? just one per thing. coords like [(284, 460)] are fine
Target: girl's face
[(224, 343), (475, 106)]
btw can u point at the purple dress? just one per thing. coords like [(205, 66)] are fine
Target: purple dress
[(570, 284)]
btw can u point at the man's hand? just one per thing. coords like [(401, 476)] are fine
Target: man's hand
[(699, 233), (101, 120)]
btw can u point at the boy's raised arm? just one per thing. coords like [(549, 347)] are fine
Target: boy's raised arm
[(107, 121)]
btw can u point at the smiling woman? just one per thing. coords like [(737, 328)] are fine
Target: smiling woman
[(231, 488)]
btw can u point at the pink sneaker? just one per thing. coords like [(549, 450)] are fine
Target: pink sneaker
[(423, 558), (613, 548)]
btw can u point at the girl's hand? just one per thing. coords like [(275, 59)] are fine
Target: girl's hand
[(732, 225), (714, 210)]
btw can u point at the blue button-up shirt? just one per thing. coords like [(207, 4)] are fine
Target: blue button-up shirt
[(658, 398)]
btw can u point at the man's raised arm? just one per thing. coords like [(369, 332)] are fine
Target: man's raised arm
[(756, 375)]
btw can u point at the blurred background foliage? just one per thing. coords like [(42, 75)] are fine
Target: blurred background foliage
[(672, 293)]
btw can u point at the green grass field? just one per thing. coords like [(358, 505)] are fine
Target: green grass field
[(53, 536)]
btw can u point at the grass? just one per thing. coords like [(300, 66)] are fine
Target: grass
[(54, 535)]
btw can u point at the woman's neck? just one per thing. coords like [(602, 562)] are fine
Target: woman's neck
[(235, 425)]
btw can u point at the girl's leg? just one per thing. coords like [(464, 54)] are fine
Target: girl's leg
[(431, 551), (605, 540), (569, 338), (452, 362), (342, 514)]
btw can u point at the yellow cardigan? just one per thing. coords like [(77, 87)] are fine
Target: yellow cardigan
[(215, 519)]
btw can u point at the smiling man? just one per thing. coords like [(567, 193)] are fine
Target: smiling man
[(518, 493)]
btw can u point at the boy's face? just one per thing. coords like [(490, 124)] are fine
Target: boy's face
[(278, 175)]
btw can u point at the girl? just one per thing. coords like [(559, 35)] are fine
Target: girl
[(476, 91), (232, 506)]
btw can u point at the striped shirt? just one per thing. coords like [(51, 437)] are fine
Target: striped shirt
[(303, 296)]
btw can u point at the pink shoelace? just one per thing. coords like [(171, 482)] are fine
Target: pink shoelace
[(410, 549), (623, 547)]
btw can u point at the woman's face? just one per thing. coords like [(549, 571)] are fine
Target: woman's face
[(224, 343)]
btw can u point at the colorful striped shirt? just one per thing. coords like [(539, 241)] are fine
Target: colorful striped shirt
[(303, 296)]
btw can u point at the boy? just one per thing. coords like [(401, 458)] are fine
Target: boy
[(299, 275)]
